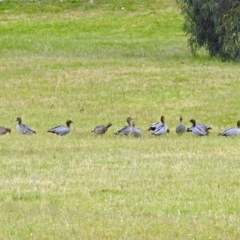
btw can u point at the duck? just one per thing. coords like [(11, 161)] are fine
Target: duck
[(205, 127), (136, 132), (162, 128), (155, 125), (231, 131), (22, 128), (61, 130), (126, 130), (180, 128), (4, 130), (197, 129), (101, 129)]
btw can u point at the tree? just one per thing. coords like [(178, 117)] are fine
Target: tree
[(214, 25)]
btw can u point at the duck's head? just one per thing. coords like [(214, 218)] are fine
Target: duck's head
[(19, 120), (129, 119), (69, 122), (193, 122), (8, 130), (238, 123)]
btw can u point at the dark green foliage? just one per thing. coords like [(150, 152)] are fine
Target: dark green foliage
[(214, 25)]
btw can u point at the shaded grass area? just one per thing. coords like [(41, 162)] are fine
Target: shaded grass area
[(101, 63)]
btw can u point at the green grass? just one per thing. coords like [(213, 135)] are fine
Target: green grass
[(98, 64)]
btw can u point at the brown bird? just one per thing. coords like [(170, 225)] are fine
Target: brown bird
[(101, 129), (4, 130)]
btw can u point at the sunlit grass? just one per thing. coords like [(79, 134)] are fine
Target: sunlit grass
[(99, 64)]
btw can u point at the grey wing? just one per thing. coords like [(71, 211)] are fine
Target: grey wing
[(125, 130)]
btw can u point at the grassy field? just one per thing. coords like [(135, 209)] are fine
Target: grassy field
[(101, 63)]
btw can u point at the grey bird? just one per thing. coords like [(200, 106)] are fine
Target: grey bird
[(161, 128), (156, 125), (136, 132), (126, 130), (198, 129), (4, 130), (203, 126), (180, 128), (22, 128), (231, 131), (101, 129), (61, 130)]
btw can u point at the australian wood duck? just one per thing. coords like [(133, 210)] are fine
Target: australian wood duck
[(22, 128), (101, 129), (156, 125), (205, 127), (180, 128), (197, 129), (61, 130), (126, 130), (161, 128), (4, 130), (136, 132), (231, 131)]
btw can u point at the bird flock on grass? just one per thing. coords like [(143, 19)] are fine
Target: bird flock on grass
[(157, 128)]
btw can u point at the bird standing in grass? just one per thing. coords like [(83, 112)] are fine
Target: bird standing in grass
[(126, 130), (231, 131), (22, 128), (203, 126), (198, 129), (61, 130), (161, 128), (4, 130), (180, 128), (136, 132), (156, 125), (101, 129)]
